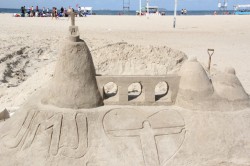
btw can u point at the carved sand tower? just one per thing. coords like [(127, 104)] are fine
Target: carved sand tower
[(228, 86), (194, 83), (74, 84)]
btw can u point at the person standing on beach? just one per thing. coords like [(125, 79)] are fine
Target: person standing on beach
[(53, 12), (79, 11), (185, 11), (22, 11), (36, 12), (65, 12), (31, 11), (43, 11), (56, 13), (62, 12)]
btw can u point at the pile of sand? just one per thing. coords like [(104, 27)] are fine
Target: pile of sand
[(129, 59), (20, 60)]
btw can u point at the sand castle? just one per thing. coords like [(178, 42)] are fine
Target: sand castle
[(63, 124)]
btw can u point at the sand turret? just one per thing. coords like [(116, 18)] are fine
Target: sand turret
[(228, 86), (194, 83), (74, 84)]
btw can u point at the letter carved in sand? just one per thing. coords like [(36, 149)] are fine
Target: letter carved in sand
[(38, 123), (152, 131)]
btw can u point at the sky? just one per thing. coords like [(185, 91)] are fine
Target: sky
[(118, 4)]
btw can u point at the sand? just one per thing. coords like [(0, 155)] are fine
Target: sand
[(29, 47)]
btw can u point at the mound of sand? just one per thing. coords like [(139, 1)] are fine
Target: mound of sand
[(129, 59)]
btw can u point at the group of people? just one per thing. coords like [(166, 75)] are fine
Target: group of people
[(63, 12), (31, 12), (54, 13), (183, 11)]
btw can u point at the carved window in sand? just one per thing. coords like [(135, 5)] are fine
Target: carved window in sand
[(110, 91), (161, 91), (134, 91)]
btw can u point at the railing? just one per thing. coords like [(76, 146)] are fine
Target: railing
[(147, 94)]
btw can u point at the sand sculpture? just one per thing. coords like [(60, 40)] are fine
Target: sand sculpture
[(74, 84), (194, 83), (56, 127), (228, 86), (198, 91)]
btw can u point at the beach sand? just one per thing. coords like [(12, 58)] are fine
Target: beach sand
[(127, 45), (29, 46)]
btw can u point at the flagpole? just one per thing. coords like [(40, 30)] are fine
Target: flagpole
[(175, 11), (147, 9), (140, 8)]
